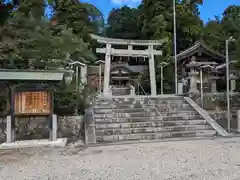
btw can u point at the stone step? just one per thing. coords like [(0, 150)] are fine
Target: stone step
[(173, 105), (110, 109), (145, 119), (104, 125), (144, 112), (116, 131), (123, 114), (139, 102), (133, 100), (145, 101), (180, 113), (180, 106), (155, 136), (188, 117), (119, 102), (119, 106), (148, 115), (157, 123)]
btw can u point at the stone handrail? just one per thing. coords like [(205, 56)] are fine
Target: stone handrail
[(207, 117)]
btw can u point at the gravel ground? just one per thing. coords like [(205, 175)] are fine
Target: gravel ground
[(193, 160)]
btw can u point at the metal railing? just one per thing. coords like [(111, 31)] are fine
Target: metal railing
[(152, 103)]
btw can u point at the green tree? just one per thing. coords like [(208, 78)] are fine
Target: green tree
[(123, 23), (157, 23), (215, 35), (83, 18)]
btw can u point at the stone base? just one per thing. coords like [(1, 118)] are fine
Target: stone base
[(34, 143)]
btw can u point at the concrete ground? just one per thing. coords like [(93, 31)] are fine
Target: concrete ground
[(187, 160)]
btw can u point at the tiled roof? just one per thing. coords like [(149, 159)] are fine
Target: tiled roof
[(194, 48), (31, 75)]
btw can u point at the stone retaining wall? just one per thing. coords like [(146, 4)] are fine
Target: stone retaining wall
[(37, 128), (2, 129), (221, 118), (71, 127)]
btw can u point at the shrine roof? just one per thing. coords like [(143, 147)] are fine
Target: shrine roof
[(196, 48), (223, 66), (31, 75)]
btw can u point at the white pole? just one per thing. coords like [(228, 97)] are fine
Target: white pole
[(227, 79), (161, 80), (100, 79), (77, 74), (175, 45), (77, 88), (201, 83)]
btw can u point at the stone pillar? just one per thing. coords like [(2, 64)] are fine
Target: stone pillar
[(9, 129), (152, 71), (193, 81), (238, 121), (232, 82), (132, 90), (130, 47), (213, 81), (84, 74), (107, 70), (180, 88), (54, 127), (90, 129), (213, 86)]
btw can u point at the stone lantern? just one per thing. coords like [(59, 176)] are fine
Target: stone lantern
[(193, 75)]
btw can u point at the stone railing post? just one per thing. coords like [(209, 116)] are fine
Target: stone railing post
[(110, 91), (238, 121), (232, 82), (9, 130), (89, 123), (54, 127), (132, 90)]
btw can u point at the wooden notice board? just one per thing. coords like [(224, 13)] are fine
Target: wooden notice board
[(35, 103)]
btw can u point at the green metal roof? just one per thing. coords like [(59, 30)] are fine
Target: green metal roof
[(31, 75)]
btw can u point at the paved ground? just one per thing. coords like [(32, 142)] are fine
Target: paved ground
[(193, 160)]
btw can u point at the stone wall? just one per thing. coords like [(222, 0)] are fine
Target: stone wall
[(2, 129), (221, 118), (70, 127)]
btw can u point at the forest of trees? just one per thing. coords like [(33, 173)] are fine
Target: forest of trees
[(153, 19), (39, 34)]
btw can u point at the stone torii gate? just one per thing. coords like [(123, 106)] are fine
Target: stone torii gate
[(109, 51)]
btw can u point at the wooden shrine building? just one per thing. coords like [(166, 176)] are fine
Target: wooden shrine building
[(29, 93)]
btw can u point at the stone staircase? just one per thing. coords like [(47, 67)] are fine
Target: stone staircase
[(143, 118)]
